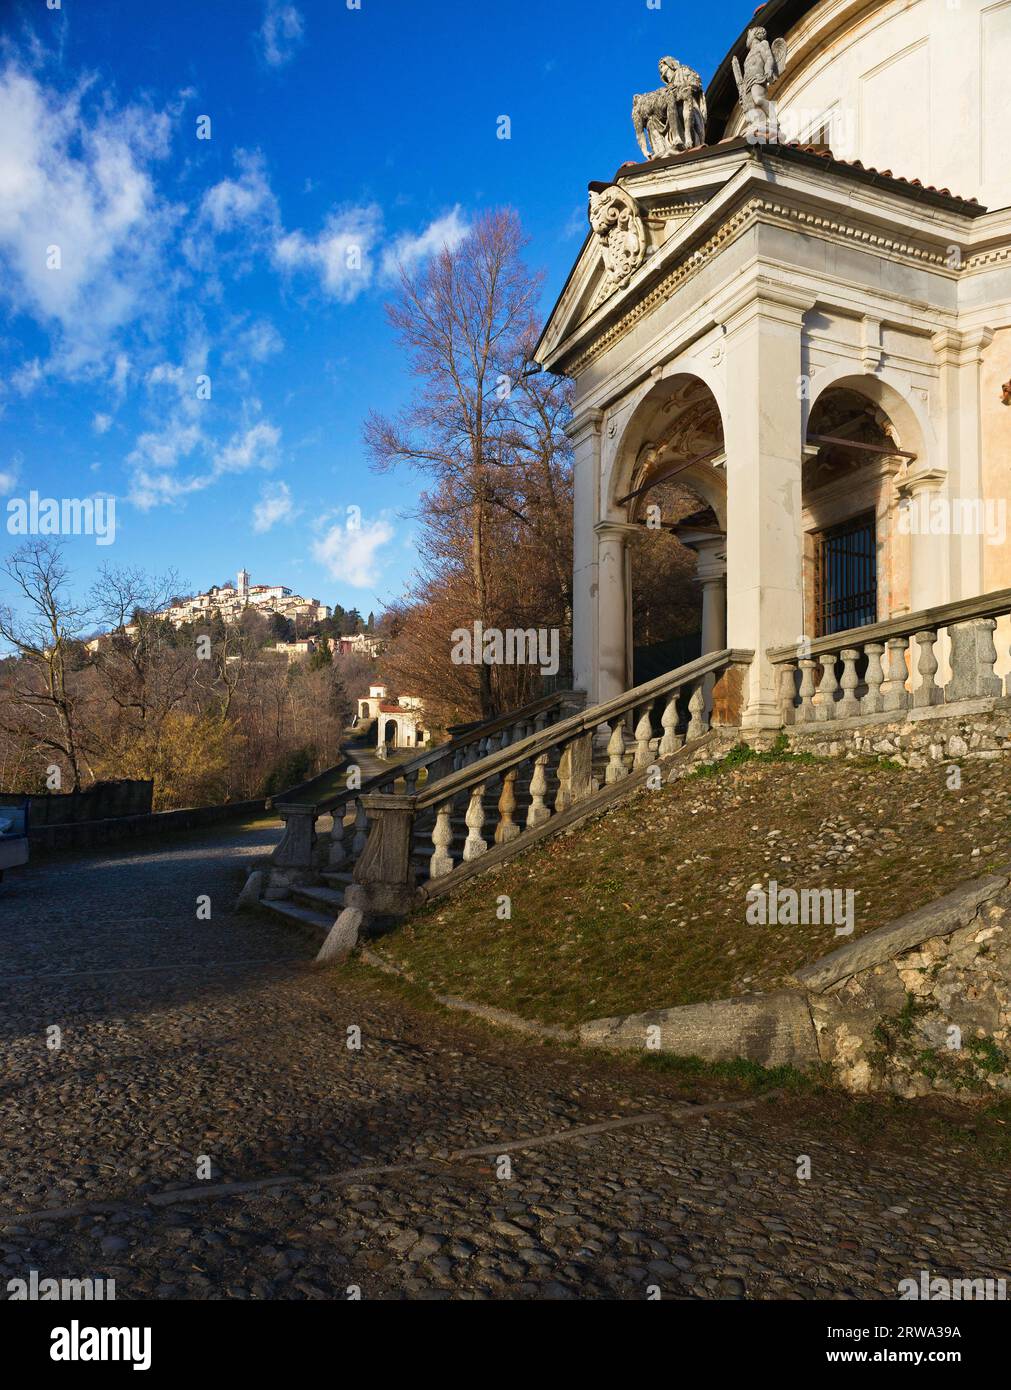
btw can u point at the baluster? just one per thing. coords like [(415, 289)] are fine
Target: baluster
[(849, 705), (507, 828), (805, 714), (873, 702), (972, 659), (824, 701), (541, 722), (671, 740), (894, 694), (698, 724), (928, 692), (442, 839), (616, 769), (361, 829), (458, 758), (475, 844), (338, 853), (538, 812), (506, 739), (788, 692), (411, 782), (643, 741), (575, 773)]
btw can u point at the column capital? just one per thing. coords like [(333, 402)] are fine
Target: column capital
[(953, 348), (763, 297), (923, 480), (616, 530), (584, 422)]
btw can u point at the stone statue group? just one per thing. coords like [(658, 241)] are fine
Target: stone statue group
[(673, 118)]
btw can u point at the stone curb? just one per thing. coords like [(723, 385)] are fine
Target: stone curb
[(491, 1015), (773, 1029), (938, 918)]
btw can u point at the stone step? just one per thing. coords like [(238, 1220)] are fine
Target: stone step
[(316, 923), (320, 899), (335, 876)]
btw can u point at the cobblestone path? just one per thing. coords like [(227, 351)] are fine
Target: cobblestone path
[(186, 1041)]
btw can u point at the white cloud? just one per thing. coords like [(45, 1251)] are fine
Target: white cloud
[(9, 479), (407, 251), (101, 423), (275, 505), (350, 554), (280, 33), (242, 201), (341, 255), (255, 447), (82, 186)]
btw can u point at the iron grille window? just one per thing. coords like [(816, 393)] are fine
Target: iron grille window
[(846, 576)]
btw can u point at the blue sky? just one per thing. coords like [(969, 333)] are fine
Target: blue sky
[(226, 258)]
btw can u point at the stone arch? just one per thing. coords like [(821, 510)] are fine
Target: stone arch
[(867, 442), (391, 730)]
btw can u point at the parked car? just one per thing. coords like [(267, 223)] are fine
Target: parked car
[(13, 836)]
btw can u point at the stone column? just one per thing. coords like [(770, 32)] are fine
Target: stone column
[(927, 553), (764, 426), (584, 431), (612, 610), (960, 356), (712, 576)]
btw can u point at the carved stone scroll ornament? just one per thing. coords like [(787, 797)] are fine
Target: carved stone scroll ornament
[(621, 235)]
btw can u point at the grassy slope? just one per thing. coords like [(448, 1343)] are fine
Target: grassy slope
[(645, 907)]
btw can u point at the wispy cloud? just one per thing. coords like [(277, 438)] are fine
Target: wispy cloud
[(275, 505), (350, 554), (81, 223), (281, 33), (341, 255), (409, 250)]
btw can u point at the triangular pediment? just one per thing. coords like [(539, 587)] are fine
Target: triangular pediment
[(633, 220)]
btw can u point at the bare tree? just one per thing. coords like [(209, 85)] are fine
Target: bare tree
[(461, 323), (45, 631)]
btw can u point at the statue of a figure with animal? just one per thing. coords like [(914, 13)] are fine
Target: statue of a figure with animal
[(764, 64), (674, 116)]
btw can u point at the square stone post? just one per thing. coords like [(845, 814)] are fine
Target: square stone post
[(584, 432), (612, 610), (764, 429), (384, 878)]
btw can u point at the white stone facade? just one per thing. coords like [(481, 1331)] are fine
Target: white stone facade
[(785, 295)]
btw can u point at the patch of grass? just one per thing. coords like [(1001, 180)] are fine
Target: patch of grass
[(645, 906), (750, 1077)]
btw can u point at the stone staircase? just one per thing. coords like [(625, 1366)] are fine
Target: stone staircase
[(417, 830)]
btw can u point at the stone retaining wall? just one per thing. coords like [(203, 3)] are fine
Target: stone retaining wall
[(917, 1007), (979, 730)]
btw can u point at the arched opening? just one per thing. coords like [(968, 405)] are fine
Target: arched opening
[(675, 503), (390, 733), (856, 559)]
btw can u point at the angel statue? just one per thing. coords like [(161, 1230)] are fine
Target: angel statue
[(674, 116), (763, 65)]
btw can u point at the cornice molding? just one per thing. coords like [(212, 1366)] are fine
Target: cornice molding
[(751, 213)]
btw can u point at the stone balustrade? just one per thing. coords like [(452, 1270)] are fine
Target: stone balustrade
[(301, 851), (891, 667), (556, 765)]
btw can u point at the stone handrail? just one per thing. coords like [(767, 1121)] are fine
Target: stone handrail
[(877, 664), (297, 853), (666, 713)]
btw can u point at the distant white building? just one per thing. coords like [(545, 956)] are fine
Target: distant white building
[(231, 601), (399, 722)]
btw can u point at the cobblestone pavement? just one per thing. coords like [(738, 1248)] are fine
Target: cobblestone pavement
[(184, 1040)]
